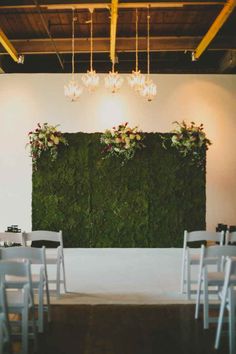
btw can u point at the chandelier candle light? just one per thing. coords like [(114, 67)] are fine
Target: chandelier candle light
[(136, 80), (91, 79), (113, 81), (149, 89), (73, 90)]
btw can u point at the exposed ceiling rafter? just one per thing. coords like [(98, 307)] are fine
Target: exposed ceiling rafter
[(8, 46), (214, 29), (113, 28), (123, 44), (103, 5)]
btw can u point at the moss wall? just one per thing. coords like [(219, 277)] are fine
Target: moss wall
[(99, 203)]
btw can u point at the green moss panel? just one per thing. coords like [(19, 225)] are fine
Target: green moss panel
[(97, 202)]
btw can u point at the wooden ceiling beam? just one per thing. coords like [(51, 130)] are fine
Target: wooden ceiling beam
[(104, 5), (214, 29), (102, 45)]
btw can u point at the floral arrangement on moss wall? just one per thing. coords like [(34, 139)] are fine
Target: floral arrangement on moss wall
[(122, 142), (44, 138), (190, 141)]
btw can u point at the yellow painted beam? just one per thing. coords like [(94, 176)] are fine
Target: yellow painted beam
[(214, 29), (114, 16), (8, 46), (122, 5)]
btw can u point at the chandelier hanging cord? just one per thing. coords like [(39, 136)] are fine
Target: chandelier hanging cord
[(91, 40), (148, 41), (73, 43), (72, 90), (136, 44)]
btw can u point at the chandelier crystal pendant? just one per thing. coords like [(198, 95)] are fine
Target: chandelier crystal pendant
[(91, 79), (113, 81), (136, 80), (149, 89), (73, 90)]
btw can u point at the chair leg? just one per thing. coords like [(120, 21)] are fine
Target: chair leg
[(25, 328), (231, 321), (58, 278), (205, 300), (34, 331), (40, 309), (199, 287), (64, 274), (188, 280), (48, 300), (183, 274), (220, 318)]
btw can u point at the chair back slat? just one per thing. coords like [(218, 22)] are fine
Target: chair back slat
[(34, 255), (230, 237), (205, 236), (43, 235), (18, 268), (14, 237), (219, 251)]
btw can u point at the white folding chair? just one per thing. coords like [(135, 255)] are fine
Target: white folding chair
[(36, 256), (4, 335), (190, 259), (56, 258), (11, 237), (19, 297), (211, 279), (230, 237), (228, 302), (5, 344)]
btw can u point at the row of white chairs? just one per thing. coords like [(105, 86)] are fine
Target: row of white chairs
[(23, 273), (216, 280), (228, 302), (216, 275), (56, 258), (191, 258)]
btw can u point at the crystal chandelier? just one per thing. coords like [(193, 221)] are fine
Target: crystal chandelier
[(113, 81), (136, 79), (73, 90), (91, 79), (149, 89)]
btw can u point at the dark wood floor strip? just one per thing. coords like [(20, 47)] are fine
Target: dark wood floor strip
[(128, 329)]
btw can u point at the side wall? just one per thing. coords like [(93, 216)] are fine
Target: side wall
[(28, 99)]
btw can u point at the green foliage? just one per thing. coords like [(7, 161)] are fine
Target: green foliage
[(122, 142), (189, 140), (44, 138), (148, 202)]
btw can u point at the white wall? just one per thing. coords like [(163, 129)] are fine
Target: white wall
[(28, 99)]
